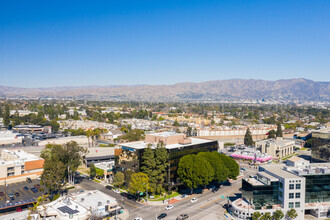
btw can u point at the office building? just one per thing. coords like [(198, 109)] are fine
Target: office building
[(278, 147), (321, 145), (302, 186), (177, 145)]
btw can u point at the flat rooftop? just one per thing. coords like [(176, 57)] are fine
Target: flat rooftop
[(143, 144), (268, 176), (254, 182), (17, 156), (278, 170)]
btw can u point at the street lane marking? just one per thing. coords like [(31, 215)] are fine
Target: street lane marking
[(227, 192), (129, 204)]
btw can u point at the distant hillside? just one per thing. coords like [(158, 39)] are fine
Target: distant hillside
[(291, 89)]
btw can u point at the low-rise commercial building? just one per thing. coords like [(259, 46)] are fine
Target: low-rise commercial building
[(84, 205), (17, 165), (278, 147)]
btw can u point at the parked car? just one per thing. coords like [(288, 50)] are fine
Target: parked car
[(193, 200), (182, 216), (37, 186), (26, 188), (33, 189), (28, 180), (2, 194), (108, 187), (169, 207), (163, 215), (19, 209), (38, 178), (138, 218), (17, 194)]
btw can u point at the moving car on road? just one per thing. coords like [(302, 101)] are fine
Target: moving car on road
[(182, 216), (169, 207), (163, 215), (193, 200)]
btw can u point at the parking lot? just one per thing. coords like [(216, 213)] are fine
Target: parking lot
[(15, 188)]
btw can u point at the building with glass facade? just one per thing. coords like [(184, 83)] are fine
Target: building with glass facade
[(321, 145), (178, 145), (305, 188)]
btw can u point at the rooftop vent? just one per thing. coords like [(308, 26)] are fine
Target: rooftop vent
[(82, 200)]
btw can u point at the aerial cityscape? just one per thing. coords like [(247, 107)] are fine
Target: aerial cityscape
[(143, 110)]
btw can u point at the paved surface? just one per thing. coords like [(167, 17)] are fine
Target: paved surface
[(208, 207), (18, 187)]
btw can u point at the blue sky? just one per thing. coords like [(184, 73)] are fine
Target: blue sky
[(76, 43)]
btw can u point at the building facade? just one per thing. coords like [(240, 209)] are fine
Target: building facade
[(304, 188), (17, 165), (129, 155), (321, 146), (278, 147)]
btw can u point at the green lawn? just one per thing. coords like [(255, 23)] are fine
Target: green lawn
[(161, 198)]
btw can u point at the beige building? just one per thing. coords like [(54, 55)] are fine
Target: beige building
[(17, 165), (278, 147)]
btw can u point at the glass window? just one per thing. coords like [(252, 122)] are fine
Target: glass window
[(291, 195), (298, 186), (291, 186), (10, 169), (291, 205), (297, 195), (297, 204)]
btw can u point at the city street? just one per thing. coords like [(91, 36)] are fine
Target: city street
[(208, 206)]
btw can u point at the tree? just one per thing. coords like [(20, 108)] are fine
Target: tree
[(231, 165), (6, 116), (139, 183), (266, 216), (148, 166), (271, 134), (161, 158), (92, 171), (256, 216), (128, 175), (55, 126), (119, 179), (189, 130), (176, 123), (248, 140), (194, 171), (220, 170), (279, 132), (291, 214), (56, 157), (278, 215)]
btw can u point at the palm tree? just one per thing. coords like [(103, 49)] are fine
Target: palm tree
[(88, 134), (278, 215), (291, 214)]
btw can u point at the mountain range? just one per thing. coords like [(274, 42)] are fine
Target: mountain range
[(219, 90)]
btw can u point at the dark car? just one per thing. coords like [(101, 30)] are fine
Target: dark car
[(28, 180), (182, 216), (108, 187), (124, 194), (131, 197), (33, 189), (37, 186), (163, 215), (17, 194), (26, 188), (1, 194)]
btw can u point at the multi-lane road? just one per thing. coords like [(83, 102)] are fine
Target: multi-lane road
[(209, 205)]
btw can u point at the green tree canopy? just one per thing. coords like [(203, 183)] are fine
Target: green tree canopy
[(279, 132), (266, 216), (256, 216), (220, 170), (119, 179), (278, 215), (139, 183), (92, 171), (148, 166), (231, 165), (248, 140), (291, 214), (271, 134)]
